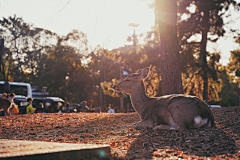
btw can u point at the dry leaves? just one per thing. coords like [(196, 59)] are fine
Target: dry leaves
[(126, 142)]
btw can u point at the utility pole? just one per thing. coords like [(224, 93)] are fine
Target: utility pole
[(102, 96), (121, 98), (2, 52), (134, 35), (134, 40)]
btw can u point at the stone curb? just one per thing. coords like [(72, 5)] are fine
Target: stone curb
[(38, 150)]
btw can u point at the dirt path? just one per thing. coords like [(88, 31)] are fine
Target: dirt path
[(126, 142)]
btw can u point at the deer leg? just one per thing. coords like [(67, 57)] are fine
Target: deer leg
[(166, 127), (145, 124)]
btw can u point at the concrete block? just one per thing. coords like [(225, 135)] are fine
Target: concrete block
[(38, 150)]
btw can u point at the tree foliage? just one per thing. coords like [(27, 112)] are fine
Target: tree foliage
[(65, 66), (146, 55), (234, 63), (204, 18), (24, 47), (63, 70)]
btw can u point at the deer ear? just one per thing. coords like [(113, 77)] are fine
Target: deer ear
[(143, 73)]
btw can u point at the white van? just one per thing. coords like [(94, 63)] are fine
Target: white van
[(22, 91)]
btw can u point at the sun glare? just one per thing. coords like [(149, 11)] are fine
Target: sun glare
[(112, 28), (192, 8), (104, 21)]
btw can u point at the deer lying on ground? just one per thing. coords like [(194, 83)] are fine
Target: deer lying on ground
[(170, 112)]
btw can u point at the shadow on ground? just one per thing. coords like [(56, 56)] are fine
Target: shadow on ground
[(213, 142), (118, 131)]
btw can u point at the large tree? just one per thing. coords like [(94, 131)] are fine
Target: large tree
[(166, 20)]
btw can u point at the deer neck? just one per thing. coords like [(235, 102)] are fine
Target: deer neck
[(140, 101)]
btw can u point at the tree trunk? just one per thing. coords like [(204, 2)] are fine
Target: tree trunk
[(203, 49), (166, 19), (1, 52)]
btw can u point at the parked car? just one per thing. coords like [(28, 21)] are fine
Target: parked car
[(48, 104), (75, 107)]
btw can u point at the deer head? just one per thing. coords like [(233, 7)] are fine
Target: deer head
[(132, 82)]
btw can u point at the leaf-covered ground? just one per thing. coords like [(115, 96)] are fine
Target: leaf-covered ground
[(117, 130)]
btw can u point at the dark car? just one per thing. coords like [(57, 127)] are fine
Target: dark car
[(48, 104), (75, 107)]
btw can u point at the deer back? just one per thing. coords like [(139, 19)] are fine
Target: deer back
[(184, 110)]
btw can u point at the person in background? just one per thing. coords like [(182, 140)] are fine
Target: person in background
[(4, 96), (11, 97), (2, 111), (29, 107), (84, 107), (111, 110), (98, 110), (67, 109), (90, 108), (13, 108)]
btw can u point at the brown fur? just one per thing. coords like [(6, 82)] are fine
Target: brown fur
[(171, 112)]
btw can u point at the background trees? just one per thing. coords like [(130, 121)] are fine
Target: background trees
[(23, 45), (204, 18), (230, 80), (234, 64), (64, 69), (69, 70), (43, 58)]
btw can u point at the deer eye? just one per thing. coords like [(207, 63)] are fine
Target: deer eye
[(127, 80)]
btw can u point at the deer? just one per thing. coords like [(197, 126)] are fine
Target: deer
[(168, 112)]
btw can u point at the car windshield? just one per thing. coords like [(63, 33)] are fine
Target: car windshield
[(18, 90)]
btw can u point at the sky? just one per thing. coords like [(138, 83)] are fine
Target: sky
[(104, 21)]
